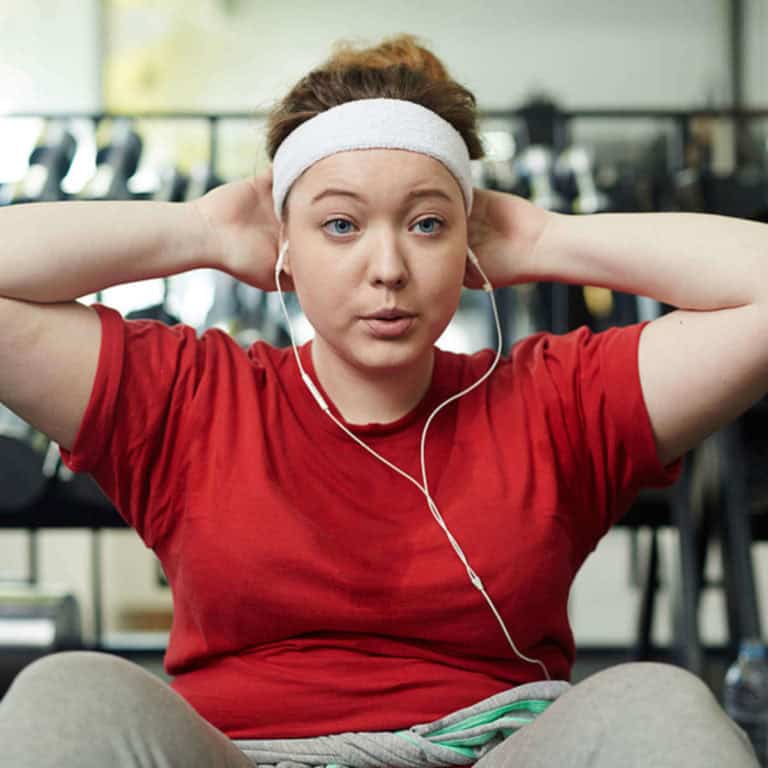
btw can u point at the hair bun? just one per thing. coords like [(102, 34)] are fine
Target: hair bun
[(399, 67), (400, 50)]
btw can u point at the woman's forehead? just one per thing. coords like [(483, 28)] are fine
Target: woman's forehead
[(392, 171)]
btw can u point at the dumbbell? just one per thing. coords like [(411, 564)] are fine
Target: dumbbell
[(534, 170), (49, 162), (116, 162), (574, 177)]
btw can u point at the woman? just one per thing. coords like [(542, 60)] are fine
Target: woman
[(321, 616)]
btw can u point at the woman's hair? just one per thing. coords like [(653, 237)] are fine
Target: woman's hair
[(398, 68)]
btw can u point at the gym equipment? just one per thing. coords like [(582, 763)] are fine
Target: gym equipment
[(116, 162), (30, 618), (496, 170), (34, 619), (22, 458), (256, 317), (33, 623), (542, 123), (49, 162), (173, 185), (534, 170), (574, 175)]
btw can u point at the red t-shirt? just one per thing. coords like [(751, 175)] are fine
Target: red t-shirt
[(313, 591)]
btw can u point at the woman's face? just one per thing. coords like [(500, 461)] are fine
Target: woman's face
[(377, 245)]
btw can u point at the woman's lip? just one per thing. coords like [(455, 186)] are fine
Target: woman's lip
[(389, 329)]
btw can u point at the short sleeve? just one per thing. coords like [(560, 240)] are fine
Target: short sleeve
[(599, 379), (131, 438)]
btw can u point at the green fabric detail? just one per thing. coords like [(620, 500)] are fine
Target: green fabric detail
[(461, 750), (466, 751), (455, 747), (536, 706), (475, 741), (467, 746), (482, 738), (507, 732)]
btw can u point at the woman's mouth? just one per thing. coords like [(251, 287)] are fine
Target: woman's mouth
[(390, 328)]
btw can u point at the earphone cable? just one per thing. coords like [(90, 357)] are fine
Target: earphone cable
[(473, 577)]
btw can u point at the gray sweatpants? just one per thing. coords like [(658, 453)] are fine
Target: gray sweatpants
[(94, 710)]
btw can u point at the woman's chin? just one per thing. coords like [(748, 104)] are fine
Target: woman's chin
[(388, 356)]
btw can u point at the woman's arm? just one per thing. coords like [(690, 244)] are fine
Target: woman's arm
[(690, 260), (56, 252), (700, 366), (53, 253)]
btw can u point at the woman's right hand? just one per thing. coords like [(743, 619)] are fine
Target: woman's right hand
[(244, 227)]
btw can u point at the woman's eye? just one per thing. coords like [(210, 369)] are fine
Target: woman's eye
[(431, 230), (345, 229), (345, 225)]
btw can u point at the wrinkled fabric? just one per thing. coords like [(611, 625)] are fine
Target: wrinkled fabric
[(459, 738)]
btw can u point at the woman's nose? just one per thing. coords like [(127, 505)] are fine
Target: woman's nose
[(387, 265)]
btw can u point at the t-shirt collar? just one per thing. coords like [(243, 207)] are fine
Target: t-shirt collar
[(419, 413)]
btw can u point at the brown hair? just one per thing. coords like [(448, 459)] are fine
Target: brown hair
[(398, 68)]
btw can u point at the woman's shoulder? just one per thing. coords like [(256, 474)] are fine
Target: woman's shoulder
[(268, 356), (521, 351), (539, 353)]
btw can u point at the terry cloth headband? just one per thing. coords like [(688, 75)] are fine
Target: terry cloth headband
[(371, 124)]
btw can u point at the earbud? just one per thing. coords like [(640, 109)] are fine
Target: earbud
[(281, 256), (471, 256)]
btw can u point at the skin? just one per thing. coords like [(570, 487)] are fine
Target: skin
[(385, 251)]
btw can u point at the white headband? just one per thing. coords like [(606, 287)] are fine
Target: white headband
[(371, 124)]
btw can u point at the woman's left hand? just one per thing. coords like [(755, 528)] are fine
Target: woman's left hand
[(502, 230)]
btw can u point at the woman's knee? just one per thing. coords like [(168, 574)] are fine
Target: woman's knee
[(118, 712), (664, 685), (633, 714), (64, 663), (81, 679)]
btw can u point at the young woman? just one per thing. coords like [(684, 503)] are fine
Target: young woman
[(362, 573)]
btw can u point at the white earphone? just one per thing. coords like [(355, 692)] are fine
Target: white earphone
[(281, 260), (473, 577)]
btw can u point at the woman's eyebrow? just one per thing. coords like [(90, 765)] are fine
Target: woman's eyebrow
[(414, 194)]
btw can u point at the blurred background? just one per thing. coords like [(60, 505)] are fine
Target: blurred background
[(588, 107)]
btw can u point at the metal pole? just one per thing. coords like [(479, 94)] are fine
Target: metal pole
[(213, 144), (736, 28), (97, 589)]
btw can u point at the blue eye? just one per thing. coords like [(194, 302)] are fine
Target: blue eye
[(343, 221), (430, 218)]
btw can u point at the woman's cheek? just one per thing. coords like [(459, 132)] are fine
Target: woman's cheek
[(318, 301), (448, 293)]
